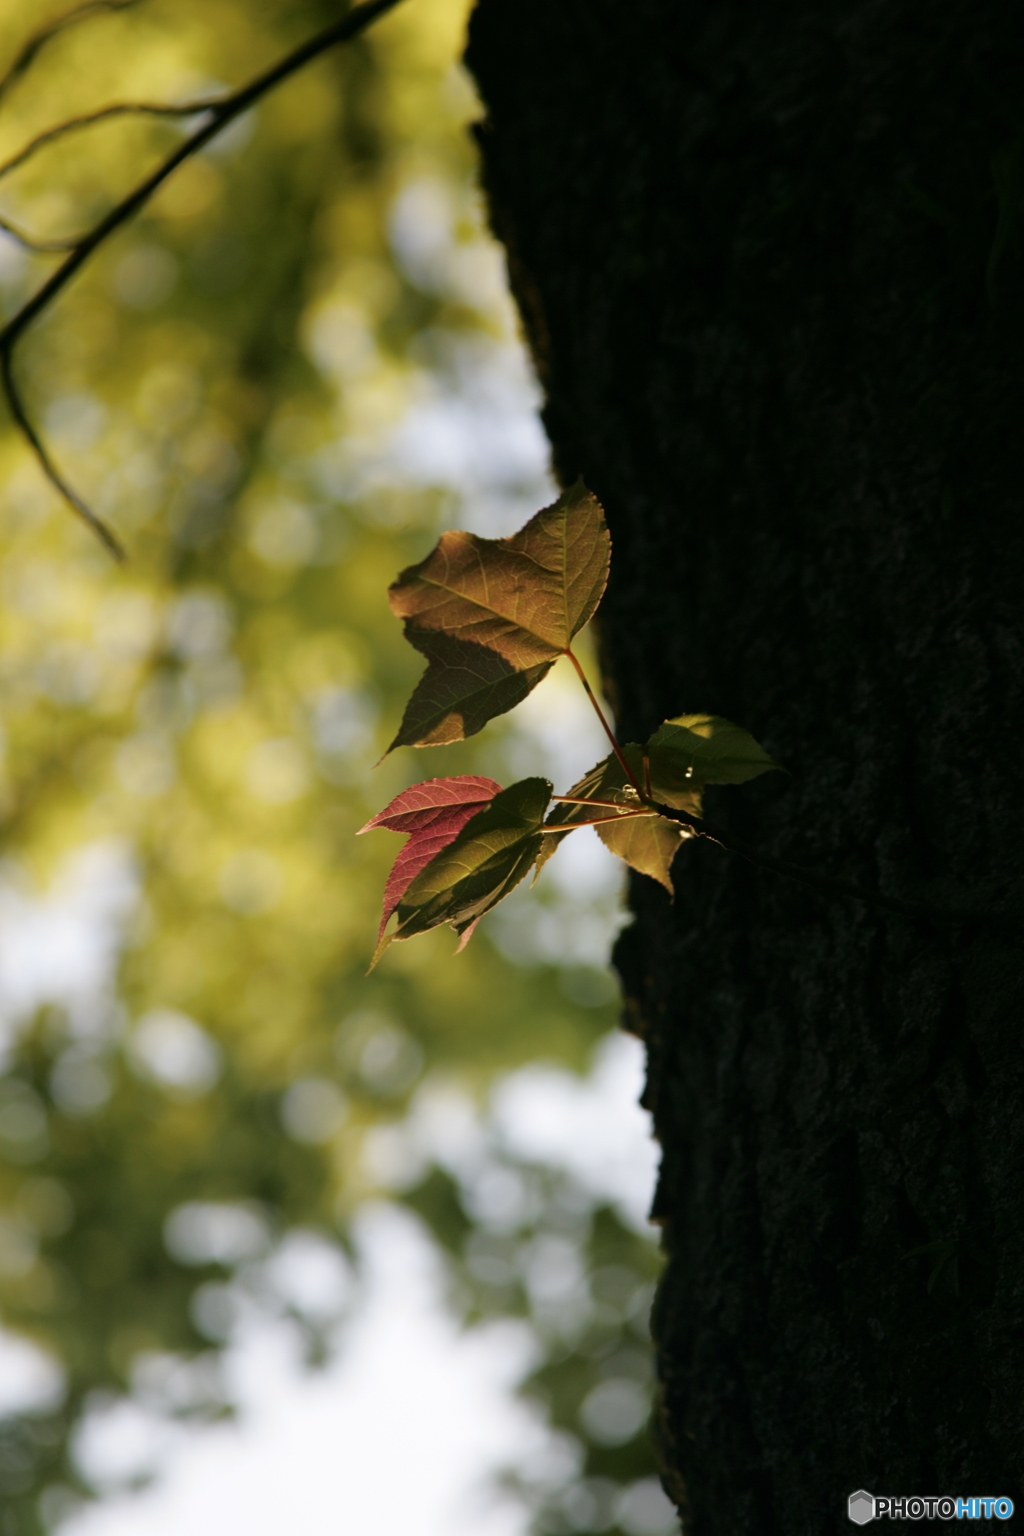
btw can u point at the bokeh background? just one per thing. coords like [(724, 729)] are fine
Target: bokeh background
[(284, 1246)]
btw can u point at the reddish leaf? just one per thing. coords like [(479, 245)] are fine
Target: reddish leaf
[(433, 814), (474, 872)]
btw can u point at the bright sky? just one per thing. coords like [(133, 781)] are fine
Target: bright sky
[(395, 1436), (402, 1431)]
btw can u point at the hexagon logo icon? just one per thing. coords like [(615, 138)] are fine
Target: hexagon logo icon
[(861, 1507)]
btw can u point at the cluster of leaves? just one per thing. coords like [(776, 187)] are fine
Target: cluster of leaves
[(492, 616)]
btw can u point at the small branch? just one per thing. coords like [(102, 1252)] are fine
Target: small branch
[(40, 247), (118, 109), (600, 715), (38, 41), (831, 887), (47, 465), (224, 112)]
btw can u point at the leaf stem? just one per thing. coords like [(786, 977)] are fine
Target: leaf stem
[(614, 805), (597, 821), (627, 770)]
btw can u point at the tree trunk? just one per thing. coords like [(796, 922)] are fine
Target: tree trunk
[(769, 261)]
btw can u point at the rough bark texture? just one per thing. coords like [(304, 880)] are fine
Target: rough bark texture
[(769, 260)]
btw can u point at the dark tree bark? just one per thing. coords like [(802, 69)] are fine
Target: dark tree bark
[(769, 261)]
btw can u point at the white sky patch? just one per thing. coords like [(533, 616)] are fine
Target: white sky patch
[(31, 1381), (592, 1127), (471, 427), (61, 946), (399, 1433), (408, 1424)]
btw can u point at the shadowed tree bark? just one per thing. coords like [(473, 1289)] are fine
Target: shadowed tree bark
[(769, 262)]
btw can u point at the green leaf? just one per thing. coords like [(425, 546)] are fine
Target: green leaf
[(489, 857), (690, 751), (640, 837), (498, 612), (646, 843)]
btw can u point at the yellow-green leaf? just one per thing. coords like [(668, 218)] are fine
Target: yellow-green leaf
[(646, 843), (604, 798), (690, 751), (498, 612)]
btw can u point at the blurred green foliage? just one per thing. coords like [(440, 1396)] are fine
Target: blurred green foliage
[(194, 733)]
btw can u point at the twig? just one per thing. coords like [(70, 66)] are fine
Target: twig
[(50, 469), (116, 109), (38, 41), (29, 243), (613, 805), (224, 112), (829, 886)]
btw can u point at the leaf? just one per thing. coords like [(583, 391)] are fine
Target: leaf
[(690, 751), (422, 804), (641, 838), (471, 874), (464, 686), (498, 612), (646, 843), (433, 814)]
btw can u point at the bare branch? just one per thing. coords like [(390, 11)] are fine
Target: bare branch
[(220, 114), (38, 41), (47, 465), (118, 109)]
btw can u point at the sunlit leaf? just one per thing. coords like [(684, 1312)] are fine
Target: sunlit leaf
[(643, 839), (506, 609), (432, 814), (645, 843), (489, 857), (689, 751)]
